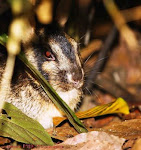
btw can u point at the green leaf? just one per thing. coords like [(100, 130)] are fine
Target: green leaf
[(18, 126), (54, 96), (3, 39)]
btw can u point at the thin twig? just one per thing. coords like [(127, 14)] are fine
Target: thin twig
[(6, 79), (120, 23)]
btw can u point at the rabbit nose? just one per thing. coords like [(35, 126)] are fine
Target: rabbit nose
[(76, 78)]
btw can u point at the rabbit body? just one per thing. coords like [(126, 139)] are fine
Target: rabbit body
[(56, 56)]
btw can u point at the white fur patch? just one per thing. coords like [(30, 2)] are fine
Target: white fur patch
[(64, 63), (71, 97)]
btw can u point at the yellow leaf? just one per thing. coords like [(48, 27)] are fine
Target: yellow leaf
[(118, 106)]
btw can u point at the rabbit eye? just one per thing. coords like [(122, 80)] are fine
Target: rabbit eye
[(49, 56)]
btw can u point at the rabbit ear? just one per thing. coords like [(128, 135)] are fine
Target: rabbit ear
[(62, 12)]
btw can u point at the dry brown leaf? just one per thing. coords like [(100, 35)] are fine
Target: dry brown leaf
[(62, 133), (4, 140), (66, 131), (128, 129)]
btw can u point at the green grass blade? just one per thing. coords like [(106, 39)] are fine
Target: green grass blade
[(3, 39)]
